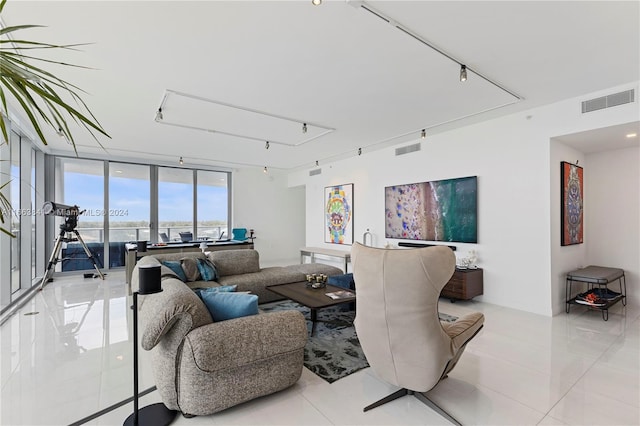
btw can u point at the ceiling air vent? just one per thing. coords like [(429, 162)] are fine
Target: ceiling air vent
[(407, 149), (315, 172), (608, 101)]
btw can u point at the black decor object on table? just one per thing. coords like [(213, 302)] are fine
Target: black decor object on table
[(155, 414)]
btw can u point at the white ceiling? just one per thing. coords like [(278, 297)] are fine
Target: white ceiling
[(335, 66)]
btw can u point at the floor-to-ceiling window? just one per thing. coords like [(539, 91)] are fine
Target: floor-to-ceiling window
[(32, 216), (175, 202), (81, 183), (20, 252), (129, 207), (212, 201), (138, 202), (15, 216), (5, 241)]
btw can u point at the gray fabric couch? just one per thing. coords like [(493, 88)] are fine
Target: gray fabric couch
[(241, 268), (202, 367)]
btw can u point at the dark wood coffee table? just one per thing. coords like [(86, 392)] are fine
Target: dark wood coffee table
[(312, 298)]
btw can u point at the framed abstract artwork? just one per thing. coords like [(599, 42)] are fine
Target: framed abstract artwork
[(571, 202), (338, 214), (441, 210)]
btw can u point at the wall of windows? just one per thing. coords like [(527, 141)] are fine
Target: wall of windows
[(122, 202), (20, 184), (126, 202)]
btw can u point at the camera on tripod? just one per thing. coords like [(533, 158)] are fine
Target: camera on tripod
[(70, 214)]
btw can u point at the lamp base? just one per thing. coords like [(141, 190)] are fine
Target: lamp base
[(152, 415)]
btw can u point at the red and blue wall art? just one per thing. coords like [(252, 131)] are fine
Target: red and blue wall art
[(572, 199)]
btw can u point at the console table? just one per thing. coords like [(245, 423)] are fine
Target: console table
[(311, 252), (132, 254), (465, 284)]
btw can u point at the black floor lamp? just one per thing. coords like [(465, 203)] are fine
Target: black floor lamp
[(154, 414)]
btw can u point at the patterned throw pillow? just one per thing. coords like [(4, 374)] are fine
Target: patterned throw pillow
[(207, 270), (190, 268), (175, 266)]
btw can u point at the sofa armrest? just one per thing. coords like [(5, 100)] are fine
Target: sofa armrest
[(242, 341), (176, 307)]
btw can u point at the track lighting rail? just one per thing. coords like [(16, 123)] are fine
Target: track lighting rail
[(410, 33)]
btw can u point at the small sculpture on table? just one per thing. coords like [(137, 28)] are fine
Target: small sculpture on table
[(316, 281)]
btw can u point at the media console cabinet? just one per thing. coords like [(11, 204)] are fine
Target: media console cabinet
[(465, 284)]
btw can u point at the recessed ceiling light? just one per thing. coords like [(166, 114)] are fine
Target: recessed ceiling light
[(316, 2), (632, 135), (118, 171)]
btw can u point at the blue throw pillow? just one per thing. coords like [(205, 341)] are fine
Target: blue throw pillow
[(344, 281), (207, 270), (176, 267), (224, 305), (223, 288)]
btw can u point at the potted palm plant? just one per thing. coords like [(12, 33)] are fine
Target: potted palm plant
[(38, 93)]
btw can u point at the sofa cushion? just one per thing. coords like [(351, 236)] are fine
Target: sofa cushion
[(234, 262), (176, 267), (225, 305), (228, 288), (344, 281), (207, 269), (190, 268)]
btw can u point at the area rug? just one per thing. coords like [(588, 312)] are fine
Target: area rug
[(333, 350)]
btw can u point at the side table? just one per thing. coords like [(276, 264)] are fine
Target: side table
[(601, 277), (464, 284)]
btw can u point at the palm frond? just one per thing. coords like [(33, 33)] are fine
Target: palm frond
[(32, 85)]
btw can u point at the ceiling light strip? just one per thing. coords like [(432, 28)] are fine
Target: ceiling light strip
[(255, 111), (252, 138), (410, 33)]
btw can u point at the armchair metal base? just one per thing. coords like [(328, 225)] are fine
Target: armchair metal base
[(423, 398)]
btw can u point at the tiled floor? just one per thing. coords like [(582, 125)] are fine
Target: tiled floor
[(73, 358)]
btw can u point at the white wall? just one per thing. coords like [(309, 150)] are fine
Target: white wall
[(612, 219), (265, 203), (512, 157)]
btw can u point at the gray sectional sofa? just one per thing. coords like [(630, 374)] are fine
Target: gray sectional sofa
[(201, 367), (241, 268)]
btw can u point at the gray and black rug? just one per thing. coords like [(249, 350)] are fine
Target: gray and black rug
[(333, 351)]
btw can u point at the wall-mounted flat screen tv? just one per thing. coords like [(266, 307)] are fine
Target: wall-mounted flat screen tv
[(441, 210)]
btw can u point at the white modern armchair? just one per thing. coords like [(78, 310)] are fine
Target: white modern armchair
[(397, 318)]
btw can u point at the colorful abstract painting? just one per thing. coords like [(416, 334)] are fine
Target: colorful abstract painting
[(572, 201), (338, 214), (443, 210)]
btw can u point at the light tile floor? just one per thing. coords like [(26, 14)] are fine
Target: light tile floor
[(73, 358)]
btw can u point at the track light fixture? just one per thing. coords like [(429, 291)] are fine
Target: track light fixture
[(159, 114), (181, 161), (359, 151), (60, 132), (317, 164), (463, 73), (266, 145), (304, 127), (316, 2), (265, 171), (423, 134)]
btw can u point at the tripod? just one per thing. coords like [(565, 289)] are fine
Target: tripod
[(68, 227)]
